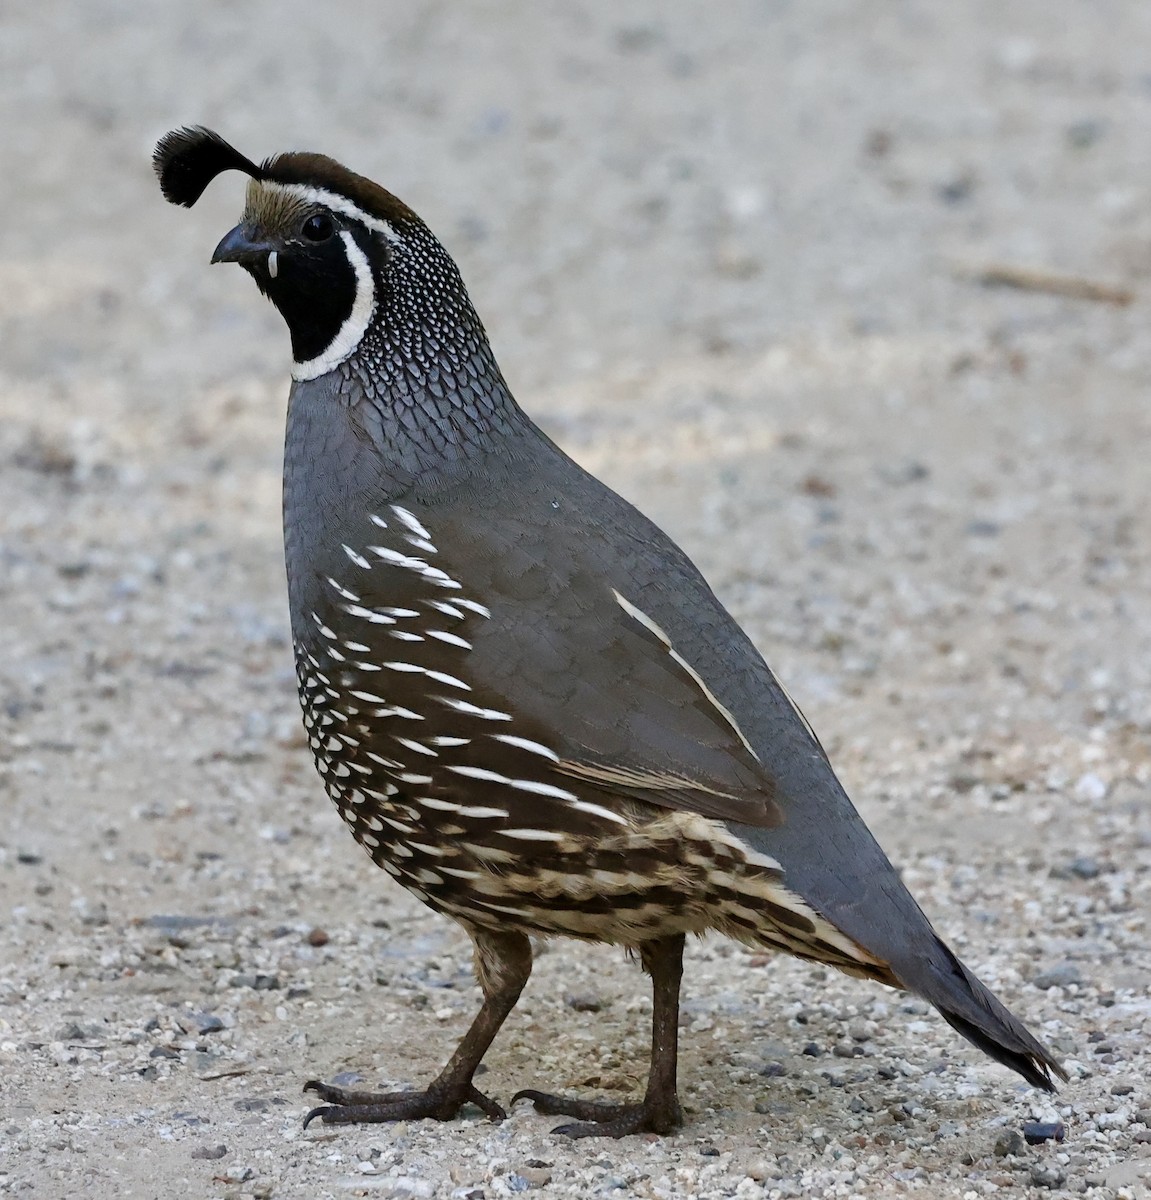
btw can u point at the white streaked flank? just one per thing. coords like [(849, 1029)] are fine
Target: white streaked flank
[(475, 606), (479, 773), (434, 802), (533, 835), (450, 680), (596, 810), (480, 812), (324, 630), (409, 519), (424, 848), (409, 562), (368, 614), (389, 764), (472, 710), (418, 747), (499, 908), (449, 610), (388, 792), (542, 789), (460, 872), (450, 638), (510, 739), (358, 559), (343, 591)]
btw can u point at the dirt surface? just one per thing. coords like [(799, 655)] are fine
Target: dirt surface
[(731, 258)]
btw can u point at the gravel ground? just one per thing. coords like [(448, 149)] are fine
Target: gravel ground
[(734, 258)]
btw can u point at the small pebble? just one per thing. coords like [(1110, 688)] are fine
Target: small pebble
[(1062, 975), (1009, 1142), (1085, 868), (203, 1022), (536, 1177), (1048, 1175), (210, 1153), (1043, 1131), (584, 1002)]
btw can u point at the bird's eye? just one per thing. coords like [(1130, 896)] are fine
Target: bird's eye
[(318, 228)]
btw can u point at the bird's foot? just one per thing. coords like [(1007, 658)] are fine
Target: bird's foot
[(346, 1107), (597, 1118)]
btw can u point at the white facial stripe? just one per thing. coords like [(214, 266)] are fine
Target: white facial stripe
[(273, 263), (355, 325), (338, 204)]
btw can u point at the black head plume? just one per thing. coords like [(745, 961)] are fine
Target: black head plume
[(187, 160)]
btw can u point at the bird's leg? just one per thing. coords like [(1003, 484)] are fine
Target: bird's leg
[(659, 1111), (503, 964)]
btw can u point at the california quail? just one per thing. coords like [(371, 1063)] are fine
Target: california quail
[(522, 697)]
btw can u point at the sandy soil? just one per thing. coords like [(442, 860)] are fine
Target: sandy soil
[(730, 256)]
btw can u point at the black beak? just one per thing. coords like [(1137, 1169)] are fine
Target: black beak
[(240, 246)]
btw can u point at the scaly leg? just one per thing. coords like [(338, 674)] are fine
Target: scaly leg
[(503, 964), (659, 1112)]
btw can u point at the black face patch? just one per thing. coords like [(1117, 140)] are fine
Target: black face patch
[(315, 288)]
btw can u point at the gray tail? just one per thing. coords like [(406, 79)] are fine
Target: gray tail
[(974, 1011)]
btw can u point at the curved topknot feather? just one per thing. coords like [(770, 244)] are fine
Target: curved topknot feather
[(187, 160)]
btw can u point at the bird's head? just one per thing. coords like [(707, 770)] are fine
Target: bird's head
[(323, 243)]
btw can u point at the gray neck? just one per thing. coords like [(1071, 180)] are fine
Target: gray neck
[(423, 385)]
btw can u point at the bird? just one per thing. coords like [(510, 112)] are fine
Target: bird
[(521, 695)]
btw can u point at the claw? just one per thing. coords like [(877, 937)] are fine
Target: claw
[(598, 1118), (321, 1112), (346, 1107)]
